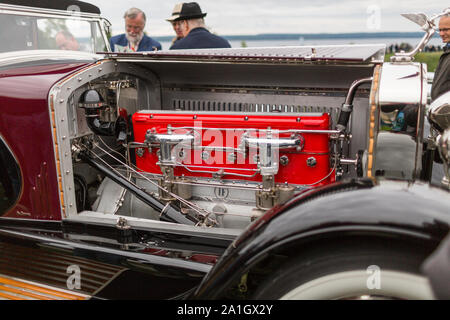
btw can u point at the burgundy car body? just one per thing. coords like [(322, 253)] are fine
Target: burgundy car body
[(26, 127)]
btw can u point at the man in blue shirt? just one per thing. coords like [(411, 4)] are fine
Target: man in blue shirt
[(196, 36), (134, 39)]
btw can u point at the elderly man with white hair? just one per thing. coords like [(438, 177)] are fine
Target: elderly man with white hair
[(134, 39)]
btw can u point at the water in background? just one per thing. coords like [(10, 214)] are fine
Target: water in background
[(435, 41)]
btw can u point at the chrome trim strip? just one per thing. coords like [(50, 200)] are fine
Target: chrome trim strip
[(160, 260)]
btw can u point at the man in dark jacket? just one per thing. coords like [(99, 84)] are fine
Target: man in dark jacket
[(441, 82), (134, 39), (196, 36)]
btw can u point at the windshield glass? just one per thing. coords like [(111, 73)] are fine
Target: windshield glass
[(20, 32)]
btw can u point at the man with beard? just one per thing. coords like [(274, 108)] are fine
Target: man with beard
[(441, 81), (134, 39)]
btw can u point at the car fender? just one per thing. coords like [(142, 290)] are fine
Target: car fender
[(391, 210)]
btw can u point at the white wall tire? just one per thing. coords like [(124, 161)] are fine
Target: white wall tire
[(353, 285), (345, 270)]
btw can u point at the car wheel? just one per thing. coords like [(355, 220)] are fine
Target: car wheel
[(350, 272)]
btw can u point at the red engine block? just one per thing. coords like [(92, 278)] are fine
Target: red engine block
[(218, 130)]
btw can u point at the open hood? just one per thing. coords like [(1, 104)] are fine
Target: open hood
[(340, 53)]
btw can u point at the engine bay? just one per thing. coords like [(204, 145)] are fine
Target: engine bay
[(144, 145)]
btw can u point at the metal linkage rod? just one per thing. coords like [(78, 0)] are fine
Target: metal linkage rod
[(167, 211)]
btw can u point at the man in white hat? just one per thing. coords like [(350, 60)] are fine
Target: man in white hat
[(176, 25)]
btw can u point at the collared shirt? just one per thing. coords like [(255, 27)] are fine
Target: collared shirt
[(133, 47), (120, 43)]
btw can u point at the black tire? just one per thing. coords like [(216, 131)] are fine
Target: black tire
[(348, 270)]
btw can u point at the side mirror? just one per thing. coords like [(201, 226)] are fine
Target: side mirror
[(439, 113), (107, 26)]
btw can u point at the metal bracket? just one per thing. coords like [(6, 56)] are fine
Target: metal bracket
[(122, 224), (124, 234)]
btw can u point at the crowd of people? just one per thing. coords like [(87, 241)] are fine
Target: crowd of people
[(188, 23), (393, 48)]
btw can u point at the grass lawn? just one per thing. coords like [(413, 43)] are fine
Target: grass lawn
[(430, 58)]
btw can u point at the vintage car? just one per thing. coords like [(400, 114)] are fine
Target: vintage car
[(251, 173)]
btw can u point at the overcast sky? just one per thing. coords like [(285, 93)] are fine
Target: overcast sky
[(237, 17)]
